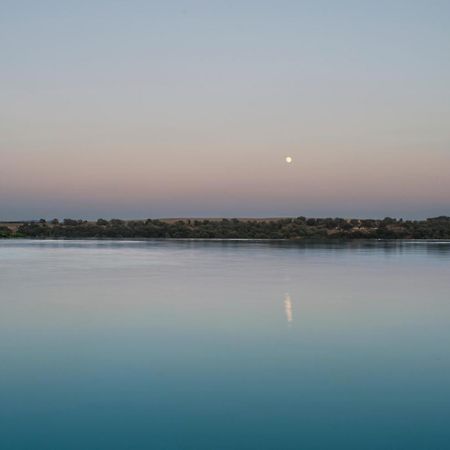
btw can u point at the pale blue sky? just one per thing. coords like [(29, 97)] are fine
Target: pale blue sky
[(185, 108)]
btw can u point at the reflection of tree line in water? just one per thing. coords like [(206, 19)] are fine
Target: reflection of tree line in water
[(296, 228)]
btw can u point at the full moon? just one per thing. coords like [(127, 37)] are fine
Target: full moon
[(288, 159)]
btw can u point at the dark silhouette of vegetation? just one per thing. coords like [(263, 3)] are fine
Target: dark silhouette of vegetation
[(295, 228), (5, 232)]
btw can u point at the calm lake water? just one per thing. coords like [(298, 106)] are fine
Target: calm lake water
[(224, 345)]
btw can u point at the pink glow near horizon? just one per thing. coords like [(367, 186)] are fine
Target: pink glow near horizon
[(193, 114)]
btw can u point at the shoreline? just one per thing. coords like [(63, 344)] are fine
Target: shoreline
[(291, 229)]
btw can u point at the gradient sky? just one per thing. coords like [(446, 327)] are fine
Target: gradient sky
[(139, 109)]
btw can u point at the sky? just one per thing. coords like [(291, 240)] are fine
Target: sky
[(146, 109)]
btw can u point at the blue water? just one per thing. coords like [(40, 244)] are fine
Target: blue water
[(224, 345)]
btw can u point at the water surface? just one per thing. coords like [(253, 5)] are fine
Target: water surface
[(224, 345)]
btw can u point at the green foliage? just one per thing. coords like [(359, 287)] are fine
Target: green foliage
[(5, 232), (298, 228)]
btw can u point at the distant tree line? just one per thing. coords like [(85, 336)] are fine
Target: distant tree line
[(295, 228)]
